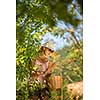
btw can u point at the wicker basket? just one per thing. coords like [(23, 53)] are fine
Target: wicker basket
[(56, 82)]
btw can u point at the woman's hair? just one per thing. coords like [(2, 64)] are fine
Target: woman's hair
[(45, 49)]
